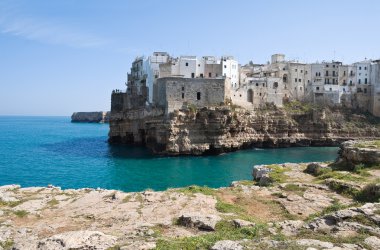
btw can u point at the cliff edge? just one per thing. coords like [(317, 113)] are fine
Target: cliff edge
[(215, 130)]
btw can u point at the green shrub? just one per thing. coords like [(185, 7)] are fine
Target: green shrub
[(224, 231), (370, 193), (196, 189), (21, 213)]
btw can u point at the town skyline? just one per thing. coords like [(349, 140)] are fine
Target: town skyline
[(71, 55)]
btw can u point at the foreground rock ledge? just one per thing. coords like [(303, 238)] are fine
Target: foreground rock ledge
[(297, 209)]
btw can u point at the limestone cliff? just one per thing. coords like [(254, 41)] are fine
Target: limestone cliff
[(99, 117), (213, 130)]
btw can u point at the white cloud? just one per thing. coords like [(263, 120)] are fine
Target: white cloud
[(45, 31)]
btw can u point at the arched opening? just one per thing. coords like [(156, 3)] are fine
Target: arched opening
[(250, 95), (285, 78)]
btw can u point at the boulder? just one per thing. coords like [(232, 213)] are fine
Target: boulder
[(200, 221), (315, 243), (243, 223), (290, 227), (373, 242), (313, 168), (77, 240), (265, 180), (259, 171), (227, 245)]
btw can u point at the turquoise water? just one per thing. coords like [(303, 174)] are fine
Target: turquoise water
[(37, 151)]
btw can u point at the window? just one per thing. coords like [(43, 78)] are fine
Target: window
[(225, 66), (317, 88), (201, 75), (365, 81), (183, 88), (327, 73), (316, 73), (360, 68), (295, 70), (198, 96), (295, 79), (344, 73), (299, 80), (192, 75), (216, 74), (275, 85), (209, 74), (283, 68), (250, 95), (187, 64), (359, 81), (257, 84), (330, 89), (334, 66), (365, 90), (365, 68), (351, 82), (301, 71), (199, 65), (183, 95)]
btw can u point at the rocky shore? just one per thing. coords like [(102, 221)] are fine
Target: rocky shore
[(216, 130), (286, 206)]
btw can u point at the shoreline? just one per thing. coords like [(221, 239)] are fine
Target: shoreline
[(315, 205)]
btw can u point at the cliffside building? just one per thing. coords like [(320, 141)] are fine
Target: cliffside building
[(175, 82)]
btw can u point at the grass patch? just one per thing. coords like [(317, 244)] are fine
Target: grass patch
[(362, 219), (224, 231), (294, 188), (9, 203), (53, 202), (278, 173), (338, 175), (370, 193), (335, 206), (224, 207), (127, 198), (368, 144), (20, 213), (7, 245), (196, 189), (357, 239)]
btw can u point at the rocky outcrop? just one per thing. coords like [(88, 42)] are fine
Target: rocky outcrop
[(77, 240), (214, 130), (96, 117), (197, 220), (360, 152)]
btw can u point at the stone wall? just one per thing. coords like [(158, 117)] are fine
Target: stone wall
[(172, 93), (99, 117)]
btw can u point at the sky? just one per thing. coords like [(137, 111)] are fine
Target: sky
[(58, 57)]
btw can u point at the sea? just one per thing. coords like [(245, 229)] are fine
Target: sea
[(41, 151)]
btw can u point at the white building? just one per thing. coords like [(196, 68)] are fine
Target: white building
[(375, 96)]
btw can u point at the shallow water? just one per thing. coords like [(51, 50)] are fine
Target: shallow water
[(37, 151)]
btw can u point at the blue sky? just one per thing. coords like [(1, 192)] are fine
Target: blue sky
[(57, 57)]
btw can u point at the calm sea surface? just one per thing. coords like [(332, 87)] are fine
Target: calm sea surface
[(37, 151)]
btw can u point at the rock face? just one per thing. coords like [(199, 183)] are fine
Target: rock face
[(96, 117), (78, 240), (355, 152), (214, 130)]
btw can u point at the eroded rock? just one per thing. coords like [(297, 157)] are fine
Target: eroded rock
[(200, 221)]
